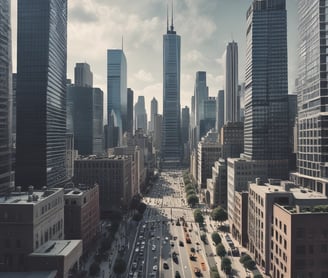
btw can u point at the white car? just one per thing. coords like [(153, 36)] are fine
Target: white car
[(155, 267), (153, 248)]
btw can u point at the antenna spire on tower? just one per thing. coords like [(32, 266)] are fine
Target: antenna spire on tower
[(172, 26), (167, 17)]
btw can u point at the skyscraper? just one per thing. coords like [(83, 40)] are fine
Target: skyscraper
[(140, 114), (312, 91), (117, 89), (153, 112), (201, 94), (171, 141), (41, 93), (129, 117), (219, 111), (231, 106), (5, 96), (85, 109), (83, 76), (185, 122), (266, 96)]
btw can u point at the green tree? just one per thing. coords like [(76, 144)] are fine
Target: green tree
[(249, 264), (189, 187), (216, 238), (226, 265), (192, 200), (258, 276), (199, 218), (245, 258), (219, 214), (214, 272), (94, 269), (191, 192), (203, 238), (119, 266), (220, 250)]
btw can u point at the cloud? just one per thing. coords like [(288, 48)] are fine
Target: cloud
[(144, 76), (194, 56), (82, 15)]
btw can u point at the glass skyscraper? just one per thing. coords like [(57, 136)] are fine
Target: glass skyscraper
[(232, 108), (171, 139), (266, 96), (5, 96), (117, 89), (41, 93), (312, 91)]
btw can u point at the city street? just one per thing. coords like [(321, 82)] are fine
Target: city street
[(160, 246)]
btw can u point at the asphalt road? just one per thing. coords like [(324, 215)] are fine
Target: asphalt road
[(158, 235)]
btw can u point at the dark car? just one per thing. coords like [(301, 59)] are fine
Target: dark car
[(177, 274), (181, 243), (165, 266)]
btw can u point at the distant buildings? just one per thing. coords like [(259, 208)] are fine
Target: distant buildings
[(85, 109), (129, 120), (140, 115), (171, 149), (5, 97), (219, 111), (41, 93), (83, 76), (153, 113), (231, 101), (116, 94)]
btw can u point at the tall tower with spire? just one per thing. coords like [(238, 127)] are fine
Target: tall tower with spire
[(171, 139)]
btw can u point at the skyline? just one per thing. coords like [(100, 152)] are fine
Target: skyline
[(142, 26)]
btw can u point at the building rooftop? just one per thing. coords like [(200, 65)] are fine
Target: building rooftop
[(56, 248), (306, 209), (27, 198), (299, 193), (79, 190), (33, 274)]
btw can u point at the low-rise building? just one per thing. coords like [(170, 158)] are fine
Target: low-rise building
[(299, 245), (62, 255), (216, 192), (82, 214), (261, 200), (112, 174), (27, 221)]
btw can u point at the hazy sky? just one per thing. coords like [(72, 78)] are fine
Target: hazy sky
[(205, 27)]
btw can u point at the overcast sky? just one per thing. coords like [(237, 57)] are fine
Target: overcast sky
[(205, 27)]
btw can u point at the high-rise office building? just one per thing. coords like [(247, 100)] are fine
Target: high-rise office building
[(83, 76), (312, 91), (153, 112), (117, 90), (129, 117), (41, 93), (201, 94), (185, 122), (266, 96), (85, 109), (208, 122), (5, 96), (219, 111), (171, 140), (231, 106), (140, 114)]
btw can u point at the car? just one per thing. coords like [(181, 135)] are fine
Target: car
[(165, 266), (153, 248), (137, 250), (134, 265), (166, 238), (131, 274), (155, 268), (155, 259), (177, 274), (197, 272), (172, 244)]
